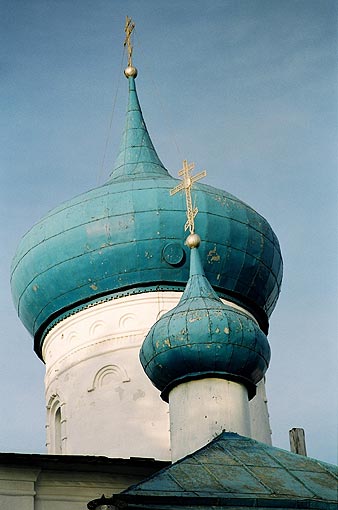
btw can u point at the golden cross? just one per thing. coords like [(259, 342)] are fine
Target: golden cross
[(130, 25), (186, 185)]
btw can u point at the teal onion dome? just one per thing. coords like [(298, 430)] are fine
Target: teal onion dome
[(125, 237), (202, 337)]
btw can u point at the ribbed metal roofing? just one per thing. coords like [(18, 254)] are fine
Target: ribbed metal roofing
[(237, 472), (126, 237), (137, 157), (202, 337)]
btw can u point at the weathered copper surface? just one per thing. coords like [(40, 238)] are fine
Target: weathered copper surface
[(202, 337), (115, 239), (234, 471)]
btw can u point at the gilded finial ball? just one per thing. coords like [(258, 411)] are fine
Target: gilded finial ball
[(130, 72), (193, 241)]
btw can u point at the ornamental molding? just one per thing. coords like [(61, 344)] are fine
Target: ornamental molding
[(107, 327), (109, 375), (90, 351), (111, 320)]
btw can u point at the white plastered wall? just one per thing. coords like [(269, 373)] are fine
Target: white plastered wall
[(201, 409), (260, 421), (108, 405), (99, 400), (62, 488), (17, 488)]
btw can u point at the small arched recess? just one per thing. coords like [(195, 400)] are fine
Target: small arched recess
[(56, 426), (109, 375)]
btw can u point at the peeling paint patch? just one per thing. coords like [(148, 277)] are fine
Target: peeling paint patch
[(138, 394), (93, 286), (194, 319), (221, 199), (213, 256), (226, 331), (35, 287)]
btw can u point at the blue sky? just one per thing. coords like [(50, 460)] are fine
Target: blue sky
[(244, 88)]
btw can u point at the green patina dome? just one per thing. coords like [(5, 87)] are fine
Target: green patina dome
[(125, 237), (202, 337)]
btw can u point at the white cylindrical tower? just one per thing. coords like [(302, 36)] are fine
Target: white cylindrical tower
[(99, 401), (201, 409)]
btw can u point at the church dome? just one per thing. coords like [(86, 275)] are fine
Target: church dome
[(125, 237), (202, 337)]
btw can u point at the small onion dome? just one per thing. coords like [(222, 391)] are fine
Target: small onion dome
[(124, 237), (202, 337)]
